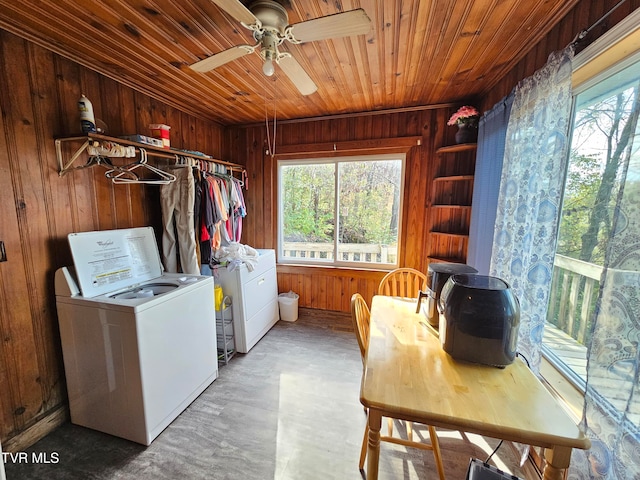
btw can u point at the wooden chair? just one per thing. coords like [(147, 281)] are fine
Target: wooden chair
[(402, 282), (360, 315)]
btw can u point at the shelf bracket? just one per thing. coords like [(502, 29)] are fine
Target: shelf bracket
[(64, 168)]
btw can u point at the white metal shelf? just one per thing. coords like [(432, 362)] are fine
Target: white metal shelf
[(225, 331)]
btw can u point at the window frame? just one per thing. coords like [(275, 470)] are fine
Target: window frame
[(335, 160)]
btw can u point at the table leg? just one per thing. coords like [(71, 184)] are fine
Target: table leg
[(558, 459), (373, 454)]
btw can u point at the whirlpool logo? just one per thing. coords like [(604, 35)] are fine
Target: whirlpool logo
[(104, 243)]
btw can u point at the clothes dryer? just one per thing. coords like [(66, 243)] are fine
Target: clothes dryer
[(138, 345)]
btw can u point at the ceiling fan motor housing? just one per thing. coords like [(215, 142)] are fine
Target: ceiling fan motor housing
[(271, 14)]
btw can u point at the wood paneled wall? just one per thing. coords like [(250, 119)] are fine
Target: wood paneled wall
[(581, 17), (38, 99), (331, 288)]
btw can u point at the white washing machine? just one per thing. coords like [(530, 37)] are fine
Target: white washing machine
[(138, 345)]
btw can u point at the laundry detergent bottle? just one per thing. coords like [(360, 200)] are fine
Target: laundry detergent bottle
[(87, 120)]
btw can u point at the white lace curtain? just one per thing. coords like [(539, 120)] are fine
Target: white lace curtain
[(530, 193), (612, 409), (531, 187)]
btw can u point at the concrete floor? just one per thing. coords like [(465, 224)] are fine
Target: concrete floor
[(288, 410)]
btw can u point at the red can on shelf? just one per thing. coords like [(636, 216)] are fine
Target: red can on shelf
[(161, 131)]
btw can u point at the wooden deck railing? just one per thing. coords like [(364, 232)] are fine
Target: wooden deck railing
[(574, 295), (347, 252), (574, 291)]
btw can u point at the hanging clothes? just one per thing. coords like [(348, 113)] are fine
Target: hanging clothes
[(178, 234), (239, 210), (222, 209), (207, 222), (221, 213)]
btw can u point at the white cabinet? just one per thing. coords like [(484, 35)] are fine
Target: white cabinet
[(254, 296)]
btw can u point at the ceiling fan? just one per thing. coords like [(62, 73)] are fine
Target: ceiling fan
[(269, 22)]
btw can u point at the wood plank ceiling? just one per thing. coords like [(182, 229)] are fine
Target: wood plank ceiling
[(417, 53)]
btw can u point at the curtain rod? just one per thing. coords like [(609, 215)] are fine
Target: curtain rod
[(584, 33)]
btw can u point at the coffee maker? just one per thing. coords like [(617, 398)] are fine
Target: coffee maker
[(437, 276)]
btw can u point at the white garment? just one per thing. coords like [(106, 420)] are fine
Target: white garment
[(235, 253)]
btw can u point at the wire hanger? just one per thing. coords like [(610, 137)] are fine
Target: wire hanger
[(94, 160), (126, 173)]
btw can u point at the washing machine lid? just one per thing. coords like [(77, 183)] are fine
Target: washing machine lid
[(109, 260)]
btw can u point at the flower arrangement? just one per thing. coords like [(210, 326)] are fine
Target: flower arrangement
[(466, 114)]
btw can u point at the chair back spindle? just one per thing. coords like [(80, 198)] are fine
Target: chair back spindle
[(402, 282)]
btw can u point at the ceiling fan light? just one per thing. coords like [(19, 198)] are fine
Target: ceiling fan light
[(267, 67)]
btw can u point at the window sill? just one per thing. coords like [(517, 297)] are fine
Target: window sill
[(298, 267), (570, 397)]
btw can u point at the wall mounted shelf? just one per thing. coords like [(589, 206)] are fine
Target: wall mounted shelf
[(460, 207), (461, 147), (450, 234), (447, 259), (96, 140), (453, 178), (451, 196)]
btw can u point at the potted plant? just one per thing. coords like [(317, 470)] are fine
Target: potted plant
[(466, 118)]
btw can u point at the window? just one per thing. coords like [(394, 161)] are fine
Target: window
[(340, 211), (604, 162)]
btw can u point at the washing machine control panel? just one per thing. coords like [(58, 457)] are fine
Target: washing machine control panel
[(112, 260)]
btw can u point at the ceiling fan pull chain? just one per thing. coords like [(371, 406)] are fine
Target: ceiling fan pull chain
[(266, 120), (275, 110), (271, 145)]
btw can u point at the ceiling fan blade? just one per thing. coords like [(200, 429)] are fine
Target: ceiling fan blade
[(297, 75), (237, 10), (226, 56), (353, 22)]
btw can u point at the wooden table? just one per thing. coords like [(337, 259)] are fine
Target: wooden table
[(408, 376)]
